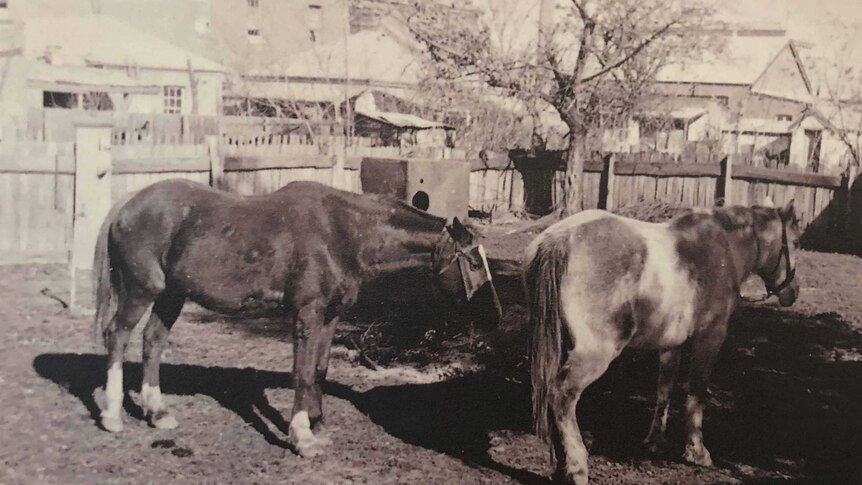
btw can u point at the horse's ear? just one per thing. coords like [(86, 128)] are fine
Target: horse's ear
[(767, 201), (788, 212), (459, 233)]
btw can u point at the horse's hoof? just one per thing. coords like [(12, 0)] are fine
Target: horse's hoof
[(697, 456), (163, 420), (657, 446), (114, 424), (310, 448), (323, 438)]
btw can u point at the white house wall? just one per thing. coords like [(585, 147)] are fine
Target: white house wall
[(13, 92), (209, 93), (799, 148), (833, 153), (782, 78)]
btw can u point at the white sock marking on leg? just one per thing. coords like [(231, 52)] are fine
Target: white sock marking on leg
[(151, 397), (300, 427), (114, 390)]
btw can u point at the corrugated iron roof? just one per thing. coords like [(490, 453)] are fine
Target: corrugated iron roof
[(402, 120), (758, 125), (101, 39), (367, 55), (81, 78)]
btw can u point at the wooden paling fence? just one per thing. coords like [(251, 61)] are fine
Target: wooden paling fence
[(829, 206), (38, 179)]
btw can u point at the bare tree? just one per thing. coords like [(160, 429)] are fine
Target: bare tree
[(833, 57), (595, 62)]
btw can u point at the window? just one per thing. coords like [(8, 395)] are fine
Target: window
[(784, 118), (254, 3), (253, 32), (4, 3), (57, 99), (173, 99), (97, 101), (93, 101)]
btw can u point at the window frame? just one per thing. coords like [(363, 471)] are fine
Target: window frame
[(172, 99)]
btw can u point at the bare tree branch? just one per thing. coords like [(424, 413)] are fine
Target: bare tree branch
[(646, 42)]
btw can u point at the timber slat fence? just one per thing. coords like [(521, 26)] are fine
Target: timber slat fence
[(37, 182)]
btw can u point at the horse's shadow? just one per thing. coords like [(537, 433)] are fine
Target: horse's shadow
[(239, 390), (773, 396), (452, 417)]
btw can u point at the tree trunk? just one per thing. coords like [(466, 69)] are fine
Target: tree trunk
[(573, 200)]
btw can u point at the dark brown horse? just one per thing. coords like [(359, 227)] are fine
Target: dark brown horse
[(598, 283), (302, 252)]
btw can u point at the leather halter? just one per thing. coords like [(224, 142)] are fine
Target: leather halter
[(790, 272), (464, 261), (784, 254)]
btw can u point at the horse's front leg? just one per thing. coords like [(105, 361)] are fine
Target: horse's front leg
[(667, 373), (705, 349), (312, 338)]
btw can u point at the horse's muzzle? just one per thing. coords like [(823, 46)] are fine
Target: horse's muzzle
[(789, 295)]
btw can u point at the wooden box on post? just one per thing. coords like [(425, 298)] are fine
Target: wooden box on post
[(441, 187)]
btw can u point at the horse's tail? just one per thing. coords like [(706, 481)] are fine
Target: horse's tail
[(544, 272), (105, 274)]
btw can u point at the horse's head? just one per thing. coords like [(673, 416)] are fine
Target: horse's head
[(461, 267), (775, 263)]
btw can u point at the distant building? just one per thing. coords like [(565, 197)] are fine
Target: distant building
[(743, 97), (826, 136), (98, 62)]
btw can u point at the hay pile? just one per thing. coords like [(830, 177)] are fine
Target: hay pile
[(652, 211)]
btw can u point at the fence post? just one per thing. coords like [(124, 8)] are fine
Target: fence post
[(216, 162), (726, 180), (338, 175), (849, 219), (92, 202), (606, 183)]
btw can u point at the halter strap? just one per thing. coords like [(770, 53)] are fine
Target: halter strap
[(783, 252), (790, 272)]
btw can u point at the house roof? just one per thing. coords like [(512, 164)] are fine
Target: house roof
[(104, 40), (401, 120), (767, 126), (85, 79), (376, 55), (830, 115), (741, 60)]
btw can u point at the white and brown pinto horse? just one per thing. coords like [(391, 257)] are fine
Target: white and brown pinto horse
[(598, 283)]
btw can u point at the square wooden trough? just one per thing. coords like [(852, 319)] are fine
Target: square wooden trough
[(441, 187)]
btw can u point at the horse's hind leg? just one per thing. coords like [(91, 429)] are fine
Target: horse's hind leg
[(165, 312), (129, 312), (705, 348), (667, 373), (308, 336), (581, 369)]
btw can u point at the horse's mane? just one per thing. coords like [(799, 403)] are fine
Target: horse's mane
[(739, 217)]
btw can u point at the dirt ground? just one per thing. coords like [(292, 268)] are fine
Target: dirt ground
[(785, 405)]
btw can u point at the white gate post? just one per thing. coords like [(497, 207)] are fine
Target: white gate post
[(92, 203)]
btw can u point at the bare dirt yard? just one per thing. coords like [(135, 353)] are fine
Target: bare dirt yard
[(448, 403)]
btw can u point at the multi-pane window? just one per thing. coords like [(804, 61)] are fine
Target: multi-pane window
[(254, 3), (173, 99)]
